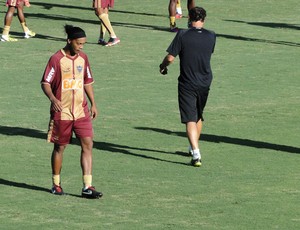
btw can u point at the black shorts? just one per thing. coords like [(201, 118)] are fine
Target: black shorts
[(191, 104)]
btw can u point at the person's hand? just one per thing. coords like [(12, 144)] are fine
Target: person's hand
[(93, 112), (56, 105), (27, 3), (163, 70)]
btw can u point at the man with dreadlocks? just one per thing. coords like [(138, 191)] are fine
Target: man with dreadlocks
[(66, 82)]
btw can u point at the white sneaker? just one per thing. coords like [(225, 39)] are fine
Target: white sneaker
[(29, 34), (195, 155), (7, 38)]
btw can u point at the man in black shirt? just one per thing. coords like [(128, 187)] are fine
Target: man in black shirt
[(194, 47)]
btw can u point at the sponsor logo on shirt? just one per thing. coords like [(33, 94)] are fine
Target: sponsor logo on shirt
[(72, 84), (66, 70), (50, 75), (89, 72)]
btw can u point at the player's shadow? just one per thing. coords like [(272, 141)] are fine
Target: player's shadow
[(264, 24), (110, 147), (95, 22), (230, 140), (34, 133), (29, 186), (241, 38), (23, 185), (127, 150), (149, 27), (50, 6), (268, 24)]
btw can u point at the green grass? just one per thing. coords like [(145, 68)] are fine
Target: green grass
[(250, 142)]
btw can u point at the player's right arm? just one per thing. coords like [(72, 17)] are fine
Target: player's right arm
[(165, 63), (55, 103), (47, 81)]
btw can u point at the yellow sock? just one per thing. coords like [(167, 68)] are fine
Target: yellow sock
[(102, 30), (172, 20), (6, 30), (105, 21), (56, 179), (87, 181), (178, 4), (25, 28)]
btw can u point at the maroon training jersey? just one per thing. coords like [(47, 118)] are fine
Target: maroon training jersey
[(67, 76)]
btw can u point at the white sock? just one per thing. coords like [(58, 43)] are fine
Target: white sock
[(196, 154), (179, 10)]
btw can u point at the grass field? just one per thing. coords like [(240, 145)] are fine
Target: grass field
[(250, 143)]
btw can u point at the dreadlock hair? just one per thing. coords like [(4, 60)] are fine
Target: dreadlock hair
[(74, 32)]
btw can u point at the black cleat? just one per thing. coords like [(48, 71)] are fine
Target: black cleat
[(196, 163), (57, 190), (91, 193)]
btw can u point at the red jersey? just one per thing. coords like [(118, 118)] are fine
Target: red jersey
[(67, 76)]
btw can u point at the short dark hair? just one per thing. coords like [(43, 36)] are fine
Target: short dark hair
[(197, 14), (74, 32)]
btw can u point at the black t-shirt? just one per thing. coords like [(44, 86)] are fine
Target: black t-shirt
[(194, 47)]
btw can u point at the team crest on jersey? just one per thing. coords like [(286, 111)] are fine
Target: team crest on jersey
[(79, 68)]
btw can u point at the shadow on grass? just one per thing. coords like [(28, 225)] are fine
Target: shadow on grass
[(33, 133), (124, 149), (146, 27), (153, 27), (268, 24), (73, 20), (31, 187), (110, 147), (23, 185), (230, 140), (49, 6), (241, 38)]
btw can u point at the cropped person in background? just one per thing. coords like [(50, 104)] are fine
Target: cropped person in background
[(175, 12), (101, 8), (12, 6)]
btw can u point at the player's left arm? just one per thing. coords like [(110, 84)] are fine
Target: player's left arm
[(90, 94)]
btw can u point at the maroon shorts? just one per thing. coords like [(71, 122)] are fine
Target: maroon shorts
[(13, 2), (60, 131), (103, 3)]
